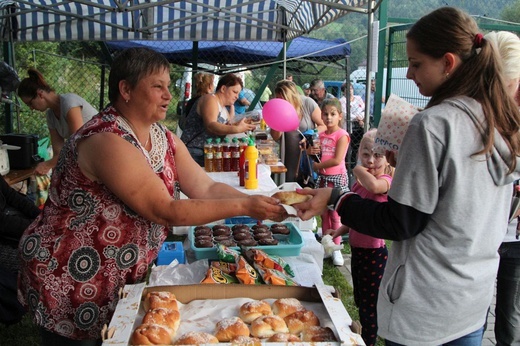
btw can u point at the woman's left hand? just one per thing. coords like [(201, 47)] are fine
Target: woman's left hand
[(244, 126), (266, 208)]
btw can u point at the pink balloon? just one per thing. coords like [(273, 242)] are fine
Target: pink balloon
[(280, 115)]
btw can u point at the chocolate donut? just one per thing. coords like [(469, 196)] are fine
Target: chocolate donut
[(203, 237), (261, 226), (202, 230), (228, 242), (221, 231), (279, 228), (242, 236), (263, 235), (204, 243), (267, 241), (248, 242), (221, 227), (220, 238), (240, 227)]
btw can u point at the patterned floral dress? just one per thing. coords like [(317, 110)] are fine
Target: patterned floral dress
[(87, 244)]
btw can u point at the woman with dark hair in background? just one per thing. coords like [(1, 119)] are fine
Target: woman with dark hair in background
[(66, 113), (211, 118)]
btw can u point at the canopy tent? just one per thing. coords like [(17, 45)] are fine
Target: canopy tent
[(175, 20), (242, 52), (192, 20)]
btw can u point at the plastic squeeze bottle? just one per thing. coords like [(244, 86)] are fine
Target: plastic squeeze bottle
[(226, 155), (235, 155), (208, 155), (242, 161), (251, 166), (217, 157)]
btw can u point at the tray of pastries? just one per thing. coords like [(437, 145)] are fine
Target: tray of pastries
[(282, 239)]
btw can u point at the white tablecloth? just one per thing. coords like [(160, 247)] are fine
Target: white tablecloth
[(307, 267), (266, 185)]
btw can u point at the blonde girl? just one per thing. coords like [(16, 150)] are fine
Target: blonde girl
[(332, 172), (369, 254)]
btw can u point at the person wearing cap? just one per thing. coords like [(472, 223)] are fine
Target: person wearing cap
[(306, 89)]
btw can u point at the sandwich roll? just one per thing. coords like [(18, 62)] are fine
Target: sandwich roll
[(290, 197), (151, 334)]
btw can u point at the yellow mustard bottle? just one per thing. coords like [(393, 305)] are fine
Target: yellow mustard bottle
[(251, 166)]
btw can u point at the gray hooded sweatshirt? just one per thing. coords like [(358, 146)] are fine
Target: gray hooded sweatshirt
[(438, 285)]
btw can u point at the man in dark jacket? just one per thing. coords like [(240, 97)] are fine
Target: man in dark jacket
[(16, 214)]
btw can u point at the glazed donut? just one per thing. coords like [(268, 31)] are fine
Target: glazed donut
[(267, 326), (286, 306), (246, 341), (318, 334), (164, 317), (228, 328), (160, 299), (299, 320), (196, 338), (151, 334), (283, 337), (250, 311)]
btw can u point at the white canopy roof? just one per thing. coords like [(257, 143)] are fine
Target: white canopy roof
[(192, 20)]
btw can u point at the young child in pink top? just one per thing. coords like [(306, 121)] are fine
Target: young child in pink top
[(373, 178), (332, 172)]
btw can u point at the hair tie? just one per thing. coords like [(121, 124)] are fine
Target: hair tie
[(478, 40)]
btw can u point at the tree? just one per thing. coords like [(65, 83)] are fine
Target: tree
[(511, 13)]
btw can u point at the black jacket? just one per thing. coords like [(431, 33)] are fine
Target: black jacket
[(16, 214)]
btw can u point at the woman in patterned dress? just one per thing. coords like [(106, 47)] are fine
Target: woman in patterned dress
[(113, 193)]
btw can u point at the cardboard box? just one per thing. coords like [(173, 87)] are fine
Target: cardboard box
[(121, 327)]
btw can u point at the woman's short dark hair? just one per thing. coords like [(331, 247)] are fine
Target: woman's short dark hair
[(132, 65), (229, 80)]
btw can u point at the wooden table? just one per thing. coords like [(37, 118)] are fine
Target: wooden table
[(16, 175), (277, 172)]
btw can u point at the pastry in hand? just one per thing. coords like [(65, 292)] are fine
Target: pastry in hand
[(290, 197)]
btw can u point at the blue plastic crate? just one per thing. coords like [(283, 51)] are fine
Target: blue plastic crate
[(240, 220), (169, 251)]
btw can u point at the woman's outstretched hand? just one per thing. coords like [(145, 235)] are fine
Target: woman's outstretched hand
[(316, 205)]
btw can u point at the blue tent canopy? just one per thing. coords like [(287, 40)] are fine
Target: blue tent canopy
[(242, 52)]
